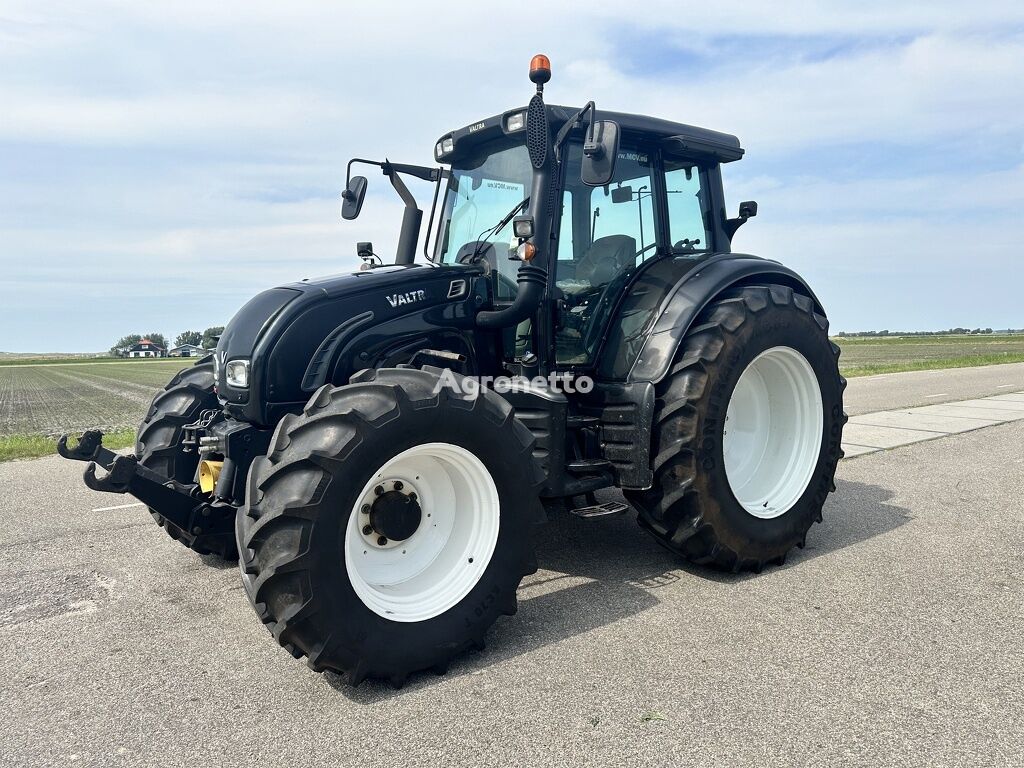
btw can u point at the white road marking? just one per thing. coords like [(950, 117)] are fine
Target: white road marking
[(941, 394), (119, 506), (1004, 386)]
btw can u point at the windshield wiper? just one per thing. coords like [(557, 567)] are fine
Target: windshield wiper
[(482, 237)]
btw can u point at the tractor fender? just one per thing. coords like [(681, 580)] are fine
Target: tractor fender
[(690, 294)]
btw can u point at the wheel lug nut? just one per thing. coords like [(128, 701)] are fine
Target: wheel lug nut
[(366, 509), (379, 490), (399, 485), (367, 530), (382, 540)]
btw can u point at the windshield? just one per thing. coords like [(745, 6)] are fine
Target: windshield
[(476, 200)]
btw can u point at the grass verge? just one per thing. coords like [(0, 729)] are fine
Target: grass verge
[(872, 369), (33, 446)]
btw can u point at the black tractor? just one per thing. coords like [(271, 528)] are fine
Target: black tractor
[(376, 447)]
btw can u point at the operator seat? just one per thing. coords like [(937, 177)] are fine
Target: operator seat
[(606, 258), (602, 269)]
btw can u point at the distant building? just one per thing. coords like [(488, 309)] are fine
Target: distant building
[(147, 348), (186, 350)]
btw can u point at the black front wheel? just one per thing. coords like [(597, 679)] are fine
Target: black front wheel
[(390, 524), (158, 446)]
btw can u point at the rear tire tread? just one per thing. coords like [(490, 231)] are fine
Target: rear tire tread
[(671, 510)]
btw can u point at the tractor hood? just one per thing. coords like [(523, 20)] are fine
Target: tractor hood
[(293, 339)]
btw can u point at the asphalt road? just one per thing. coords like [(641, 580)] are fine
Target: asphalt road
[(893, 638), (866, 394)]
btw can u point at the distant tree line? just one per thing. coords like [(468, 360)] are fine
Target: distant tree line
[(949, 332), (206, 339)]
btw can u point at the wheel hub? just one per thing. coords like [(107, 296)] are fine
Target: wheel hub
[(391, 512), (395, 515), (450, 515)]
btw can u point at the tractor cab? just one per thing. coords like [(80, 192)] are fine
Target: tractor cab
[(563, 210), (661, 198)]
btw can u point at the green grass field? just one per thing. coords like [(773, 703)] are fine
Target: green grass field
[(43, 398), (8, 359), (891, 354), (51, 399)]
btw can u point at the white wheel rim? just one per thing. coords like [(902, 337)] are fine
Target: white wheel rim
[(436, 567), (773, 431)]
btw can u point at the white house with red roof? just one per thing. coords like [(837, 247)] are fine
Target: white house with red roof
[(147, 348)]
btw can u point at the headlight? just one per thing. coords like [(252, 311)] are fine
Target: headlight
[(444, 147), (237, 374), (522, 226), (515, 122)]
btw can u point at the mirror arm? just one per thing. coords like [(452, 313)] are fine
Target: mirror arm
[(731, 225), (346, 195), (417, 171), (573, 123)]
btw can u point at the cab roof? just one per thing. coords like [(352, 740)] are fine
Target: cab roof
[(689, 141)]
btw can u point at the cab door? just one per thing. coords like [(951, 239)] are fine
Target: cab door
[(605, 235)]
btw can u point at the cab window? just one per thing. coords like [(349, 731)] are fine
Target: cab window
[(613, 231), (566, 246), (687, 231), (625, 208), (479, 195)]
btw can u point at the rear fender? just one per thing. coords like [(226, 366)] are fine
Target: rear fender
[(648, 355)]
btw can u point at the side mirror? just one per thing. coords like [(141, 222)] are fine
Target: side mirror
[(600, 150), (352, 197), (748, 210)]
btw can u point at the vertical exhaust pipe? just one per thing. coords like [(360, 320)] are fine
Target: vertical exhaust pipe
[(532, 277)]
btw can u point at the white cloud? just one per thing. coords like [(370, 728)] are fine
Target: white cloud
[(206, 143), (934, 86), (166, 119)]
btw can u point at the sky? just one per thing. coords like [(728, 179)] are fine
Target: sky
[(162, 162)]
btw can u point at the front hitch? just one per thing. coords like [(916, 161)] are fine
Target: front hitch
[(180, 504), (119, 475), (88, 445)]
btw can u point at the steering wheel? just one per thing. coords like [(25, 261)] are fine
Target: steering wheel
[(486, 254)]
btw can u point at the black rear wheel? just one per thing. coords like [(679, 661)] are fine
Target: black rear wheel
[(747, 432), (158, 446), (390, 524)]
